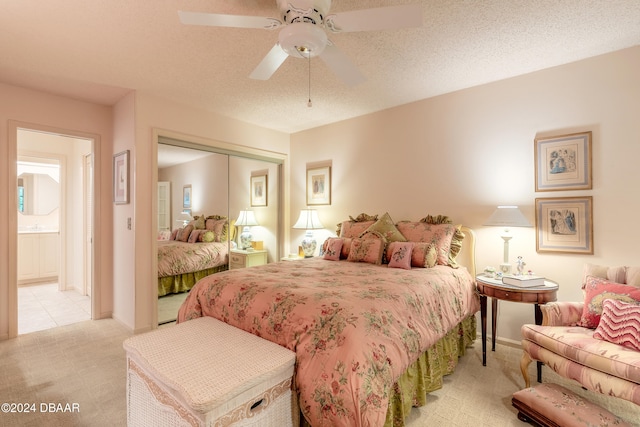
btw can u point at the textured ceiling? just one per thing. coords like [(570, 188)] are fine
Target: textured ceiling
[(97, 50)]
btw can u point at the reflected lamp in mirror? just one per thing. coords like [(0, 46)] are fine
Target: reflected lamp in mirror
[(308, 220), (246, 219), (506, 217), (184, 218)]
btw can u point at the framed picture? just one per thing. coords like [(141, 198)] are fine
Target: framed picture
[(564, 224), (186, 196), (121, 178), (319, 186), (259, 190), (563, 162)]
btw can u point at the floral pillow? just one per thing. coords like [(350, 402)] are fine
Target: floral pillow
[(195, 236), (183, 234), (354, 229), (333, 249), (440, 235), (401, 255), (366, 249), (198, 222), (387, 229), (596, 291), (619, 324), (424, 255), (219, 226), (174, 234), (207, 236)]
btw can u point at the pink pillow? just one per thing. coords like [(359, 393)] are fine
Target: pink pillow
[(596, 291), (333, 249), (183, 235), (195, 236), (619, 324), (401, 255), (440, 235), (424, 255), (366, 250), (354, 228)]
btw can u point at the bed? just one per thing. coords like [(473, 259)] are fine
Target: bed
[(186, 257), (370, 340)]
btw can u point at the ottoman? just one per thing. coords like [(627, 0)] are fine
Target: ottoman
[(554, 405), (204, 372)]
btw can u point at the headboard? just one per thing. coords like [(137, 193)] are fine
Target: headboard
[(467, 255)]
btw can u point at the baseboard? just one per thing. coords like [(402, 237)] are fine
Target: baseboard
[(503, 341)]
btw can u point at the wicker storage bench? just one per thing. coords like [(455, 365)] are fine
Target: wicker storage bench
[(554, 405), (206, 373)]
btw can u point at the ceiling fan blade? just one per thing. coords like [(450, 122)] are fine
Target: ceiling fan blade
[(269, 63), (381, 18), (234, 21), (341, 65)]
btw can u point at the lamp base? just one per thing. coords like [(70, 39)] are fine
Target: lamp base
[(245, 239), (505, 268), (309, 245)]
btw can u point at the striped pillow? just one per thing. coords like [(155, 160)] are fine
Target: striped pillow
[(619, 324)]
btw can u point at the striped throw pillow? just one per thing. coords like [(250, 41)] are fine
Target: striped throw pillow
[(619, 324)]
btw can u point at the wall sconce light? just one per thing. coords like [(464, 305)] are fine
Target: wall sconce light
[(246, 219), (507, 216), (308, 220)]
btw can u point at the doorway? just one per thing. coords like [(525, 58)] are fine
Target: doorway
[(54, 229)]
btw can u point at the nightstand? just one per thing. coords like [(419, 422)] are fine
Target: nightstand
[(496, 290), (242, 259)]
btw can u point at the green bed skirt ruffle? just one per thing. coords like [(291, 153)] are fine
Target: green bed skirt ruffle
[(184, 282), (426, 374)]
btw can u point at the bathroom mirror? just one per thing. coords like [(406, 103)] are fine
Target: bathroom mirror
[(38, 194)]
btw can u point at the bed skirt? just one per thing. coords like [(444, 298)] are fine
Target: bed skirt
[(184, 282), (426, 374)]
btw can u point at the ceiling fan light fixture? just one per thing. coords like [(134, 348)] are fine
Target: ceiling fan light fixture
[(302, 40)]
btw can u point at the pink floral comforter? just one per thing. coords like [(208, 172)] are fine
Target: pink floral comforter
[(355, 327), (176, 257)]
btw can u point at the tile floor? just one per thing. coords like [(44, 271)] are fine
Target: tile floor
[(43, 307)]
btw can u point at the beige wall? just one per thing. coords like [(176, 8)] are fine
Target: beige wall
[(464, 153), (39, 110)]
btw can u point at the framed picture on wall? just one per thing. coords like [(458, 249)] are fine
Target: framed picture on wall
[(259, 190), (186, 196), (121, 178), (564, 224), (563, 162), (319, 186)]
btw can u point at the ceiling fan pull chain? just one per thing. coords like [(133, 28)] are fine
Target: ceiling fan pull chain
[(309, 104)]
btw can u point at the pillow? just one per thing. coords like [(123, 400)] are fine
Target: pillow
[(219, 225), (424, 255), (385, 227), (164, 235), (346, 247), (350, 229), (596, 291), (207, 236), (333, 248), (613, 274), (367, 249), (183, 234), (619, 324), (633, 276), (401, 255), (440, 235), (195, 236), (174, 234)]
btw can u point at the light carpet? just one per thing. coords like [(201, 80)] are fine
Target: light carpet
[(84, 363), (168, 307)]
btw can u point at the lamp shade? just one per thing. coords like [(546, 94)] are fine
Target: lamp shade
[(508, 216), (184, 218), (246, 218), (308, 220)]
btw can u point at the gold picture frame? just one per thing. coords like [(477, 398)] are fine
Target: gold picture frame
[(564, 224), (563, 162), (319, 186)]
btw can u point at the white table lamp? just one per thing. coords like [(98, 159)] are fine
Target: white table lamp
[(184, 218), (246, 219), (308, 220), (507, 216)]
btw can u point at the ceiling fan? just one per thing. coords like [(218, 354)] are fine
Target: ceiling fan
[(303, 27)]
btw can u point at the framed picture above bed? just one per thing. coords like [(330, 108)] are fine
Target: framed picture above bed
[(563, 162), (564, 224), (186, 196), (259, 190), (121, 178), (319, 186)]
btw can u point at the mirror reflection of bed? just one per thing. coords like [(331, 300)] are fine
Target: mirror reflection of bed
[(219, 188)]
